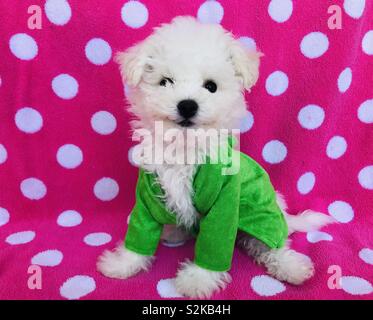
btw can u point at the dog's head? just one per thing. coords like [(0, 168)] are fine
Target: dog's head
[(189, 74)]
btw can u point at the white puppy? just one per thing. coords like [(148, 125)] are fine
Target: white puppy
[(193, 75)]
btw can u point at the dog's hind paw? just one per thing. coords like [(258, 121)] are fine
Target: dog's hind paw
[(290, 266)]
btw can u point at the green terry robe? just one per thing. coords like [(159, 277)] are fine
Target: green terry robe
[(243, 201)]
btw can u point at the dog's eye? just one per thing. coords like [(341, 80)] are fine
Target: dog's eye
[(210, 86), (164, 81)]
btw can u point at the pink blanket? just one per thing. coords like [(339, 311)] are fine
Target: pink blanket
[(66, 180)]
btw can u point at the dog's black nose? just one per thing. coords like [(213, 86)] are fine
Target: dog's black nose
[(187, 108)]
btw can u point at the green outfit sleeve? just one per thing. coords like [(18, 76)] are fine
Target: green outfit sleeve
[(218, 228), (144, 231)]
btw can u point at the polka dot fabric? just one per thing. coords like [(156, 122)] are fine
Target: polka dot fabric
[(66, 167)]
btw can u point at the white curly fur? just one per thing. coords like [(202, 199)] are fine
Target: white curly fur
[(306, 221), (122, 263), (190, 53), (287, 265), (196, 282), (177, 183)]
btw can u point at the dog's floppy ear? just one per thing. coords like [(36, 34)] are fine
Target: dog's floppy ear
[(245, 62), (133, 63)]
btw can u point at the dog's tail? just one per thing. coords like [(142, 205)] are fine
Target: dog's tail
[(306, 221)]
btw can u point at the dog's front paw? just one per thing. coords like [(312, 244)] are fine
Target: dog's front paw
[(195, 282), (122, 263)]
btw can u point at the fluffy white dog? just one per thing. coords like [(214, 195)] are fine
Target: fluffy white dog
[(192, 75)]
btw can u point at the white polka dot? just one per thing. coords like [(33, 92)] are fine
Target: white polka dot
[(274, 152), (133, 156), (28, 120), (356, 285), (134, 14), (23, 46), (69, 218), (280, 10), (344, 80), (77, 287), (314, 45), (248, 43), (365, 111), (317, 236), (354, 8), (367, 43), (65, 86), (4, 216), (336, 147), (98, 51), (366, 255), (306, 183), (33, 189), (58, 11), (277, 83), (210, 12), (341, 211), (106, 189), (366, 177), (47, 258), (69, 156), (311, 117), (166, 289), (20, 237), (103, 122), (247, 122), (266, 286), (3, 154), (97, 239)]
